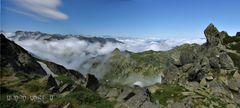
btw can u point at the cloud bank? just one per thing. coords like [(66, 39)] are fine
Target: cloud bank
[(72, 52), (40, 8)]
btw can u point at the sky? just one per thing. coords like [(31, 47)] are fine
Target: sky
[(122, 18)]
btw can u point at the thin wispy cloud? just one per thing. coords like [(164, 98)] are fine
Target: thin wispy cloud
[(26, 14), (41, 8)]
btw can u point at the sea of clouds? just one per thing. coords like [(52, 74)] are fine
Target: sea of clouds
[(72, 52)]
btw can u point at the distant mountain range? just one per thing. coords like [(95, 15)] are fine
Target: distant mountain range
[(25, 35)]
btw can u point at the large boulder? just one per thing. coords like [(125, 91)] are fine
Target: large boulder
[(136, 97), (188, 55), (91, 82), (51, 82), (214, 62), (65, 87), (225, 61), (170, 74), (212, 35)]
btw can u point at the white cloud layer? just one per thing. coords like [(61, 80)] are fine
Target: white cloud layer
[(72, 52), (43, 8)]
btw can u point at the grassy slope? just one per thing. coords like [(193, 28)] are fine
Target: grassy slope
[(15, 84)]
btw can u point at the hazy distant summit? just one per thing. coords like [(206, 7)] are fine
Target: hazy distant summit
[(25, 35)]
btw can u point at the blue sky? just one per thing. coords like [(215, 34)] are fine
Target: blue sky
[(130, 18)]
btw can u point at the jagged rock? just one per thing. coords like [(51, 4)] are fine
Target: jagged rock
[(53, 90), (238, 34), (196, 74), (203, 82), (187, 93), (170, 74), (67, 106), (92, 82), (77, 75), (212, 35), (136, 97), (64, 88), (51, 82), (61, 70), (188, 56), (214, 62), (209, 78), (126, 94), (204, 62), (236, 75), (225, 61), (137, 100), (186, 67), (234, 84)]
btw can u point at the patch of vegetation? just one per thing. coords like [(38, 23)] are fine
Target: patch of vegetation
[(20, 104), (35, 86), (6, 102), (6, 72), (236, 59), (84, 98), (230, 39), (220, 102), (65, 79), (235, 46), (168, 92)]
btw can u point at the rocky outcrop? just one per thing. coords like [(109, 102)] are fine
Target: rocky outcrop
[(238, 34), (208, 69), (214, 38), (15, 58), (51, 82), (91, 82), (136, 97)]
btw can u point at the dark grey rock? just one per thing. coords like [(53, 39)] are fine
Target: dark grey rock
[(148, 104), (214, 62), (212, 35), (51, 81), (65, 87), (53, 90), (170, 74), (238, 34), (225, 61), (188, 56), (92, 82)]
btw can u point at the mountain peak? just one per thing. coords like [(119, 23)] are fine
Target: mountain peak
[(212, 35)]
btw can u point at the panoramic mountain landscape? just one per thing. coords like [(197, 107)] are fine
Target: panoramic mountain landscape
[(120, 54), (187, 75)]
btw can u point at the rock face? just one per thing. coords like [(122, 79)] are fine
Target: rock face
[(51, 81), (92, 82), (225, 61), (18, 59), (136, 97), (210, 70), (212, 35), (238, 34), (61, 70)]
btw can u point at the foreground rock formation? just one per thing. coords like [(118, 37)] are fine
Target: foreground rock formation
[(209, 72)]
